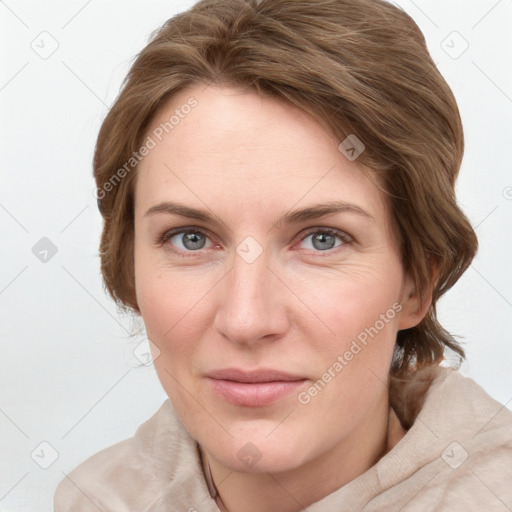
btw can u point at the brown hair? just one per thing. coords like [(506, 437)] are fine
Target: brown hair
[(360, 67)]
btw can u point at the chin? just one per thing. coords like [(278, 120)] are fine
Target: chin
[(254, 450)]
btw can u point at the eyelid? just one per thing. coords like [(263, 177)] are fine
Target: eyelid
[(331, 231), (169, 233)]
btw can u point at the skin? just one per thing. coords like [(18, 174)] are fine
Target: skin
[(247, 160)]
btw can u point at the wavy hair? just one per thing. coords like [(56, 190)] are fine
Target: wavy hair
[(360, 67)]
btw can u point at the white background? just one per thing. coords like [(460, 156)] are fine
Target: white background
[(68, 375)]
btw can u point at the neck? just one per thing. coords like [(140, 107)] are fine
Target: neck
[(297, 488)]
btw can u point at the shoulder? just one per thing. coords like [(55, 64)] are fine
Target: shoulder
[(446, 398), (462, 438), (477, 460), (460, 407), (132, 473)]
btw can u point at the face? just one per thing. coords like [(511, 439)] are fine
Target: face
[(268, 277)]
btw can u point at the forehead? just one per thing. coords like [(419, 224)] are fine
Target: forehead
[(236, 150)]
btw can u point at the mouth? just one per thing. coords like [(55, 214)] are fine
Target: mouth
[(256, 388)]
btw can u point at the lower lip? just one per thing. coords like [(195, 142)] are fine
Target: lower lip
[(254, 394)]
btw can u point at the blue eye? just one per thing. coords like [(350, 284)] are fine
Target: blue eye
[(186, 240), (325, 239)]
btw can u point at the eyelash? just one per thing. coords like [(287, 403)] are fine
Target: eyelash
[(167, 235)]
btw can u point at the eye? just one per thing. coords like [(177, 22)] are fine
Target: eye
[(186, 240), (324, 239)]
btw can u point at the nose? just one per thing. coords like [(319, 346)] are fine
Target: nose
[(251, 303)]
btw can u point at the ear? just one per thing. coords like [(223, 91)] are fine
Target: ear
[(416, 303)]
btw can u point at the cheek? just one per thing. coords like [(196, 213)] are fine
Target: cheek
[(170, 305), (170, 309), (348, 303), (176, 313), (352, 362), (166, 296)]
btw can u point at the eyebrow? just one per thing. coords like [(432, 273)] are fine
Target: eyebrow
[(292, 217)]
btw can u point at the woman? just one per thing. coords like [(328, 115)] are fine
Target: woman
[(276, 180)]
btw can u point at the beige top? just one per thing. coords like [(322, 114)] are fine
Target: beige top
[(457, 456)]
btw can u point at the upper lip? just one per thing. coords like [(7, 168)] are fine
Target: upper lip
[(254, 376)]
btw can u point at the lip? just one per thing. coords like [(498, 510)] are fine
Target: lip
[(254, 376), (256, 388)]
